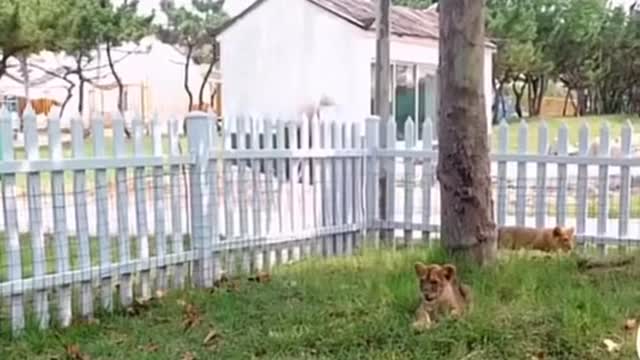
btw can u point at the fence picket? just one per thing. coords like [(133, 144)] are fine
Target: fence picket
[(390, 172), (176, 204), (159, 208), (427, 178), (503, 146), (256, 185), (243, 199), (214, 204), (338, 187), (409, 182), (317, 180), (102, 221), (141, 211), (272, 259), (625, 184), (349, 166), (372, 178), (521, 182), (294, 188), (305, 198), (358, 186), (34, 196), (603, 186), (329, 142), (122, 199), (541, 176), (281, 175), (581, 186), (229, 207), (12, 240), (561, 203)]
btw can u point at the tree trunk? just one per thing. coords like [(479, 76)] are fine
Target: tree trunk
[(566, 102), (582, 102), (81, 81), (518, 95), (186, 83), (468, 228), (120, 102), (205, 79), (70, 88)]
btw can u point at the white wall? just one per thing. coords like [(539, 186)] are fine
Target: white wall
[(280, 66)]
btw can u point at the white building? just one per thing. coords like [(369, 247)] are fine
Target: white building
[(281, 57)]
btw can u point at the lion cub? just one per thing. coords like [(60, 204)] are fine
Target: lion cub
[(547, 240), (441, 294)]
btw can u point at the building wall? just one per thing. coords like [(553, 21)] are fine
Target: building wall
[(283, 67)]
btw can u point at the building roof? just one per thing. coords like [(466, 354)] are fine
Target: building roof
[(404, 21)]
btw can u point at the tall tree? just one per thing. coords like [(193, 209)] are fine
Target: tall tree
[(122, 24), (464, 174)]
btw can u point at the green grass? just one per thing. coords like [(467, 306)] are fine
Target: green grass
[(362, 307), (573, 124)]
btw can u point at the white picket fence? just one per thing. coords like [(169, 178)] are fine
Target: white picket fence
[(290, 190)]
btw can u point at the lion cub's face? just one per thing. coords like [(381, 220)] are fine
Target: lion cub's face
[(434, 279), (564, 238)]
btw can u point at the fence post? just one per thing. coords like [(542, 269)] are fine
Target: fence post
[(198, 136), (371, 178)]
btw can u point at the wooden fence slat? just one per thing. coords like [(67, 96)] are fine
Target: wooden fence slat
[(305, 196), (541, 176), (582, 181), (256, 206), (563, 149), (122, 200), (215, 167), (317, 178), (338, 186), (159, 208), (82, 221), (102, 221), (521, 182), (34, 196), (349, 166), (229, 207), (372, 178), (409, 182), (294, 188), (141, 210), (603, 185), (503, 146), (327, 196), (63, 265), (427, 178), (281, 175), (10, 213), (625, 184), (243, 199), (270, 189), (358, 186), (176, 204), (390, 170)]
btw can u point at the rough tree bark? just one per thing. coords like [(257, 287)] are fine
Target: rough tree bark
[(468, 228), (518, 93)]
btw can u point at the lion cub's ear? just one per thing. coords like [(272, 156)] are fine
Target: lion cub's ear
[(557, 231), (421, 269), (570, 231), (449, 271)]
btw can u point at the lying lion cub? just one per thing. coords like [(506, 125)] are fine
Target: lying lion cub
[(441, 294), (548, 240)]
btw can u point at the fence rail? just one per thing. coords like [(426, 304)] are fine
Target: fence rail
[(146, 215)]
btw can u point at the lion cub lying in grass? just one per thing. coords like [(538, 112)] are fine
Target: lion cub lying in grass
[(441, 294), (547, 240)]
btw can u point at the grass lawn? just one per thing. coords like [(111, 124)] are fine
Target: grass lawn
[(573, 124), (361, 308)]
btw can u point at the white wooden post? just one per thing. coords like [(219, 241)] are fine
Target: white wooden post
[(541, 176), (281, 175), (328, 197), (270, 190), (102, 221), (305, 199), (60, 225), (316, 135), (256, 196), (625, 184), (358, 186), (159, 208), (561, 202), (12, 239), (603, 187), (349, 166), (214, 205), (82, 221), (141, 211), (581, 186), (503, 146), (409, 182), (229, 206), (521, 182), (198, 134), (34, 196), (372, 179), (126, 290), (389, 238), (176, 204), (427, 178), (294, 190), (243, 183)]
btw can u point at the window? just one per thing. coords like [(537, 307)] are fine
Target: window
[(413, 94)]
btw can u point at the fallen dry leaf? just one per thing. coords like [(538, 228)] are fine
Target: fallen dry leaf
[(188, 356), (630, 324), (611, 345), (191, 317), (538, 356), (72, 351), (138, 307), (211, 337), (151, 347)]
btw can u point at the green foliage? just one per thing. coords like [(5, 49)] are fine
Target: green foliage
[(122, 23)]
